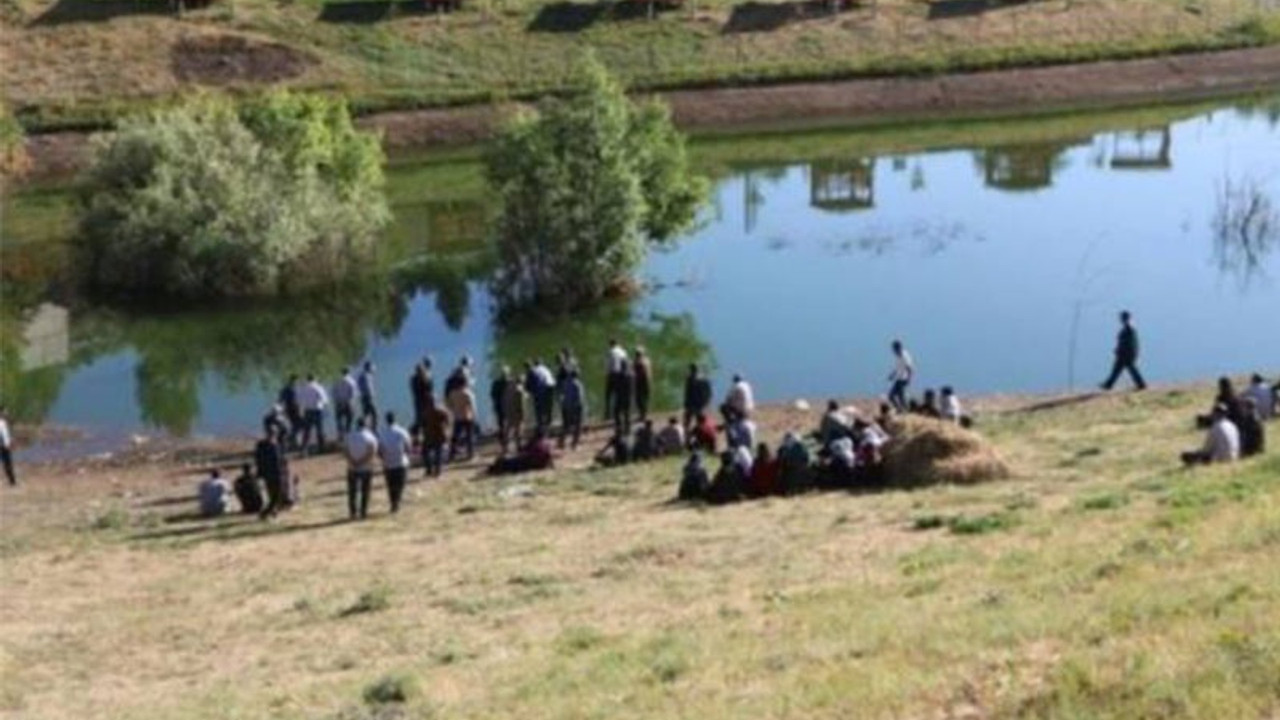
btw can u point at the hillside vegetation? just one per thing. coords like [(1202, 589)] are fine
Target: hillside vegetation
[(1101, 581), (75, 62)]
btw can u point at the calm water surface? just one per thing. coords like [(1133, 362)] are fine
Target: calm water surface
[(1000, 258)]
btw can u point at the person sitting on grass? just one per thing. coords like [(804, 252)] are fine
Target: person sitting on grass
[(247, 491), (214, 495), (1263, 396), (928, 406), (841, 460), (645, 446), (1253, 440), (671, 438), (703, 435), (793, 465), (764, 473), (1227, 399), (740, 431), (693, 480), (835, 423), (951, 409), (1221, 444), (871, 438), (729, 481), (535, 455), (615, 452)]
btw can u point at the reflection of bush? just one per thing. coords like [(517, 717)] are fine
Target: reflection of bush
[(670, 340)]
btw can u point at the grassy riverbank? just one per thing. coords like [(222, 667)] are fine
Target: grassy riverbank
[(80, 62), (1102, 581)]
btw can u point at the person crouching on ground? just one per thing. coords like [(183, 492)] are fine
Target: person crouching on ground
[(764, 473), (1221, 444), (1253, 440), (247, 491), (645, 444), (693, 480), (360, 447), (1264, 397), (671, 438), (535, 455), (703, 435), (729, 482), (214, 495), (615, 452)]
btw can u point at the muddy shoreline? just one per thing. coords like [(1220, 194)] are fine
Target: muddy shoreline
[(873, 101)]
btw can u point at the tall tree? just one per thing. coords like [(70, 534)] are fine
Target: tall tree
[(584, 186)]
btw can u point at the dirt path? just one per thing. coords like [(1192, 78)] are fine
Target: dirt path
[(1103, 84)]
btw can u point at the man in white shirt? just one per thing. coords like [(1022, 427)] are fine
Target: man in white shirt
[(361, 447), (214, 495), (1221, 443), (313, 399), (615, 362), (951, 410), (6, 446), (904, 370), (1263, 397), (344, 394), (741, 399), (393, 448)]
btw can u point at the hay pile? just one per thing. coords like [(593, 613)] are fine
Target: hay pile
[(925, 451)]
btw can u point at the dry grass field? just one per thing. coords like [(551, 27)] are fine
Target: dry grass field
[(70, 62), (1102, 581)]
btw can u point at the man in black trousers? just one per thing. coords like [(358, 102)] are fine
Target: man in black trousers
[(1126, 356), (273, 467)]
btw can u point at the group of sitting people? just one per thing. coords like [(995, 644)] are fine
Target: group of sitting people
[(1236, 425), (844, 452)]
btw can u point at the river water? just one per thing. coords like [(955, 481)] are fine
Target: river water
[(999, 252)]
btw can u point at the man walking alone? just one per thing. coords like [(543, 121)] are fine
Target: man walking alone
[(1126, 355)]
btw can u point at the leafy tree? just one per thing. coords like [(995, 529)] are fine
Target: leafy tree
[(584, 185), (207, 199)]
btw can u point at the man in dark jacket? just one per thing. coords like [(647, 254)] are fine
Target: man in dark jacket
[(1126, 356), (498, 391), (421, 386), (697, 394), (273, 468)]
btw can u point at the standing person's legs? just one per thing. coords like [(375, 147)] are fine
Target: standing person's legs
[(275, 493), (435, 456), (1117, 367), (502, 428), (366, 486), (6, 457), (342, 418), (898, 395), (1136, 376), (575, 423), (369, 411), (610, 386), (642, 403), (395, 487), (473, 429)]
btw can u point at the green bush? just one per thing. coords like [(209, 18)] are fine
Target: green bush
[(584, 185), (392, 689), (207, 199)]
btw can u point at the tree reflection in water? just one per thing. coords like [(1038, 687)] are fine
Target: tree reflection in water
[(671, 341), (1246, 229)]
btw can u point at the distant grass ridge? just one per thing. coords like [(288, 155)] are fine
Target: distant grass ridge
[(487, 53)]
